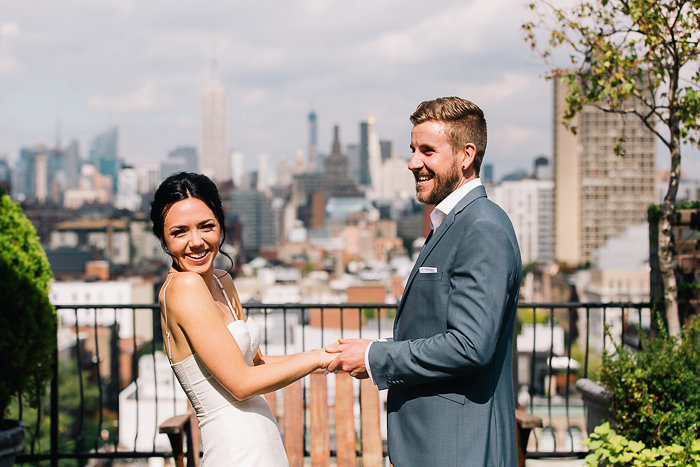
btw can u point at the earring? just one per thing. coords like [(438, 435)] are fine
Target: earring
[(464, 167)]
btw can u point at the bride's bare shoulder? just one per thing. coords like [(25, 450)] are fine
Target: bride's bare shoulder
[(183, 282), (186, 279)]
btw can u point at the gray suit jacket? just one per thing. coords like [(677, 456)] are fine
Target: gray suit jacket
[(448, 368)]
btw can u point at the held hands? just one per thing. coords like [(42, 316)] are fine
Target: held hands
[(325, 357), (350, 357)]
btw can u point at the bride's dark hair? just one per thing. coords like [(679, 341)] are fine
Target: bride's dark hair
[(181, 186)]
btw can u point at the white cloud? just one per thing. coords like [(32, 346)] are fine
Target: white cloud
[(255, 96), (510, 85), (145, 98), (9, 29), (186, 123), (142, 65), (519, 136), (8, 63)]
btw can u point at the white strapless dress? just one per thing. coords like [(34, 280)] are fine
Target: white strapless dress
[(234, 433)]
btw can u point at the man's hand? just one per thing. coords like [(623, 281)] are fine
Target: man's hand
[(351, 357)]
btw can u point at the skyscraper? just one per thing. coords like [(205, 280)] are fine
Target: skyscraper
[(214, 161), (336, 181), (237, 171), (313, 163), (363, 153), (370, 153), (5, 174), (597, 194), (72, 165), (252, 210), (385, 146), (104, 154), (264, 174), (528, 203), (26, 185), (182, 158)]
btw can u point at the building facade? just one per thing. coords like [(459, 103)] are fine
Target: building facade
[(104, 154), (529, 204), (252, 211), (180, 159), (597, 193), (214, 161)]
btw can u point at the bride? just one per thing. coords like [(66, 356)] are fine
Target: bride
[(213, 349)]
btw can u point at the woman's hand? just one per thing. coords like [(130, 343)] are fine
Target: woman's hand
[(325, 358)]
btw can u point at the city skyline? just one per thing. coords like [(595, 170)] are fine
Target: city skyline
[(82, 67)]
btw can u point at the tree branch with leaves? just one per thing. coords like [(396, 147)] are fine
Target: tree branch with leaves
[(630, 57)]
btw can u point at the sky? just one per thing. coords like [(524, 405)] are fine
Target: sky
[(74, 68)]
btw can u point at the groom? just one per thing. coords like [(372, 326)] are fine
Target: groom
[(448, 366)]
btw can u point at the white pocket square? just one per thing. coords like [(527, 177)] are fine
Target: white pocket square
[(427, 270)]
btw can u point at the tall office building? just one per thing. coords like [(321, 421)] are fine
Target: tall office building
[(188, 154), (313, 163), (352, 151), (528, 203), (264, 175), (336, 181), (26, 183), (72, 165), (596, 193), (370, 154), (104, 154), (41, 175), (237, 171), (395, 180), (5, 174), (214, 161), (252, 211), (149, 177), (363, 155), (385, 148), (128, 196), (180, 159)]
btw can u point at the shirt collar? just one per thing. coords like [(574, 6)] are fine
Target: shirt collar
[(444, 207)]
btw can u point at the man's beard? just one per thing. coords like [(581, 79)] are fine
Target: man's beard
[(442, 187)]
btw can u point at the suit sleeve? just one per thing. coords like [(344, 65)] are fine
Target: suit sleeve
[(480, 288)]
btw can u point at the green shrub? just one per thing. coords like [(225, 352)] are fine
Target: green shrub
[(656, 391), (525, 316), (27, 318), (610, 449), (578, 353), (369, 313)]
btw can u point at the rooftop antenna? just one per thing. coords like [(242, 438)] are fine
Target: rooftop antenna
[(58, 133)]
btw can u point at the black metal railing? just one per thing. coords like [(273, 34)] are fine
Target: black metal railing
[(110, 391)]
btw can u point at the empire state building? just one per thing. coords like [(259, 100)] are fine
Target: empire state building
[(214, 160)]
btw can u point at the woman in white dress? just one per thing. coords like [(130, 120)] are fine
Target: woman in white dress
[(213, 349)]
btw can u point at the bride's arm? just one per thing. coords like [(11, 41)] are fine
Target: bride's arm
[(191, 304), (227, 282), (261, 359)]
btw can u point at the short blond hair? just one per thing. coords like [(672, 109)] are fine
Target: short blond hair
[(465, 121)]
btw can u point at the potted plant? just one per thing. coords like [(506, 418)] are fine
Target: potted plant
[(654, 409), (596, 398), (27, 321)]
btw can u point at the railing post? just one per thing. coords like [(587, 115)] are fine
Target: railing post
[(54, 410)]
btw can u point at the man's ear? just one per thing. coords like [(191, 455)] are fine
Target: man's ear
[(468, 154)]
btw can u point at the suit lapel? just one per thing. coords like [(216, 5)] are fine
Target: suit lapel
[(432, 241)]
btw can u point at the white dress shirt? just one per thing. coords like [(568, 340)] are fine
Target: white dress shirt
[(438, 215)]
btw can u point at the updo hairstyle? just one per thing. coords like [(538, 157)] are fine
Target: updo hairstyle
[(181, 186)]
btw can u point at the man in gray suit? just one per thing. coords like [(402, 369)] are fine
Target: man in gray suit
[(448, 366)]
